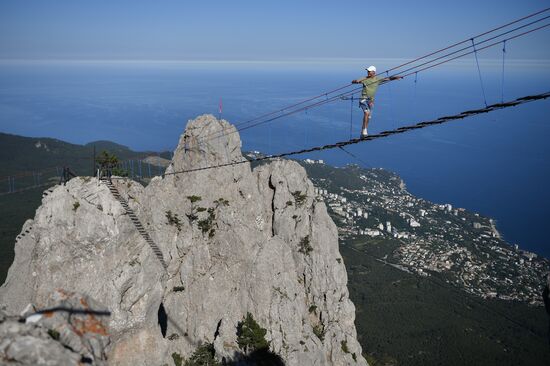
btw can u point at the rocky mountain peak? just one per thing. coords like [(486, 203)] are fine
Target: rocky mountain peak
[(207, 141), (235, 241)]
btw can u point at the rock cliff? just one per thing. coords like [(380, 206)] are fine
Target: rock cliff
[(59, 335), (235, 241)]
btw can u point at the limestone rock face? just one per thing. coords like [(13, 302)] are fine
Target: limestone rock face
[(26, 344), (71, 332), (236, 241)]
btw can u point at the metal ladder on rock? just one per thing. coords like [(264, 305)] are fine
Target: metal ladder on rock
[(28, 231), (135, 221)]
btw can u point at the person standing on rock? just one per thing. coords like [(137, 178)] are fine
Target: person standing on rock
[(66, 175), (370, 85)]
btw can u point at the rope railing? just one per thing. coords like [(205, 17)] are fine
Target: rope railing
[(346, 95)]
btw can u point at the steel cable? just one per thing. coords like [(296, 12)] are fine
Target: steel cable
[(326, 94), (399, 130)]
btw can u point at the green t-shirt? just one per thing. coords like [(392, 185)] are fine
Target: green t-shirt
[(369, 87)]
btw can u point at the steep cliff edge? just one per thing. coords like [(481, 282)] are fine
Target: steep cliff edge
[(235, 240)]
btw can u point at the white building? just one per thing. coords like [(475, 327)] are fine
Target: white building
[(388, 227), (414, 223), (339, 211), (372, 232)]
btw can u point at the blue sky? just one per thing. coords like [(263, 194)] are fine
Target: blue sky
[(252, 30)]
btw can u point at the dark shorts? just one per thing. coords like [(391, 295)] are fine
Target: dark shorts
[(366, 104)]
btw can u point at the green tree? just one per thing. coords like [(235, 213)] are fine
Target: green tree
[(178, 360), (250, 336), (203, 356), (109, 162), (105, 159)]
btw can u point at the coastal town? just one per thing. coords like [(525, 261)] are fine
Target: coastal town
[(372, 206)]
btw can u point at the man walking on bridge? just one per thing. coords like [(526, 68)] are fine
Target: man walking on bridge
[(370, 85)]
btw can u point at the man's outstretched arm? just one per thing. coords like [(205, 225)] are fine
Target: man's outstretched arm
[(391, 78)]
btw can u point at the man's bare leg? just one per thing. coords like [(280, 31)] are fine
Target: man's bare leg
[(366, 118)]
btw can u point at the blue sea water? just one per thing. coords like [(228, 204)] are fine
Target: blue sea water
[(495, 164)]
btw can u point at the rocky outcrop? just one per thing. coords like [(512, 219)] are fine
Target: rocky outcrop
[(72, 331), (235, 240)]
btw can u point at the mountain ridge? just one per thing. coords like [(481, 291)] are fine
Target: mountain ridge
[(236, 241)]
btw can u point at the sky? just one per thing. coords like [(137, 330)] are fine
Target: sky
[(252, 30)]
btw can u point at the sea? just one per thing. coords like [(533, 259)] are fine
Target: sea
[(496, 164)]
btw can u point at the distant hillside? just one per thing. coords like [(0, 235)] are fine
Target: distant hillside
[(108, 145), (20, 154), (121, 151), (23, 158)]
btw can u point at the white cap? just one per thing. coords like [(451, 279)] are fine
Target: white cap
[(371, 68)]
